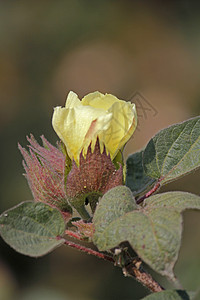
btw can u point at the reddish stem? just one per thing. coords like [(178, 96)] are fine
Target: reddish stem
[(149, 193), (74, 235), (132, 269), (88, 250)]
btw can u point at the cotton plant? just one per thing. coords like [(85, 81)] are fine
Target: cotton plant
[(83, 189)]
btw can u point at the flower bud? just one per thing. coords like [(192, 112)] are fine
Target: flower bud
[(45, 169), (95, 175)]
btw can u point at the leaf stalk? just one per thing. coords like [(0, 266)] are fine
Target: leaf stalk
[(149, 193), (132, 269)]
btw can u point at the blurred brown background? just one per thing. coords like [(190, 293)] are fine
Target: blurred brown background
[(48, 48)]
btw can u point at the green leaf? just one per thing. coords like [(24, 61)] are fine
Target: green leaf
[(114, 204), (136, 179), (174, 151), (176, 201), (169, 295), (32, 228), (153, 231)]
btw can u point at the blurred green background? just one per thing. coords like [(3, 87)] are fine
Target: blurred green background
[(48, 48)]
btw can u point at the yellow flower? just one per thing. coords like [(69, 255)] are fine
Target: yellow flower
[(105, 117)]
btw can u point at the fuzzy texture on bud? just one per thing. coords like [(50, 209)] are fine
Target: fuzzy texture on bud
[(45, 169), (105, 117), (95, 175)]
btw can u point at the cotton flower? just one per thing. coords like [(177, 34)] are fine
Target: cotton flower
[(105, 117), (94, 131)]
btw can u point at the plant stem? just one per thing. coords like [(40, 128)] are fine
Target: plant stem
[(89, 251), (149, 193), (132, 269), (82, 211), (74, 235)]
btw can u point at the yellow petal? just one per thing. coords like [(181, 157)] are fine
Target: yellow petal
[(122, 126), (79, 123), (98, 100), (72, 126), (97, 126), (72, 100)]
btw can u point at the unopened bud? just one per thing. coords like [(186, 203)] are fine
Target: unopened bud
[(45, 168)]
